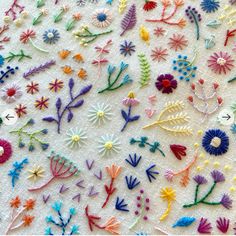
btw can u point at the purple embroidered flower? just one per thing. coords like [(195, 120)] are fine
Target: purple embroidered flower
[(226, 201), (223, 224), (166, 83), (199, 179), (217, 176), (204, 226), (127, 48)]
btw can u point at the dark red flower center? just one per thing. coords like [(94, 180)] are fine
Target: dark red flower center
[(166, 83), (11, 92)]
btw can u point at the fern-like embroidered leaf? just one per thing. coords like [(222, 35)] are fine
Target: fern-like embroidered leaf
[(179, 118), (129, 20), (179, 130), (122, 6), (145, 70), (174, 106)]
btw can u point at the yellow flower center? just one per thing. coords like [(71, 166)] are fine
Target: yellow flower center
[(131, 95), (215, 142), (100, 113), (75, 138), (1, 151), (108, 145), (221, 61)]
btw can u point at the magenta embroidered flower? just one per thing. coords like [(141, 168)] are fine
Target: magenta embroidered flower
[(10, 93), (199, 179), (217, 176), (204, 226), (166, 83), (223, 224), (226, 201), (5, 151), (220, 62), (130, 100)]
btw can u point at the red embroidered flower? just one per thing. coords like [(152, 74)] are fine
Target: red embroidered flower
[(27, 35), (159, 31), (56, 85), (159, 54), (32, 88), (41, 103), (5, 150), (149, 5), (166, 83), (220, 62), (178, 42), (21, 110)]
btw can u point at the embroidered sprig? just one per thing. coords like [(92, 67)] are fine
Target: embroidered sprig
[(133, 161), (174, 120), (38, 19), (15, 172), (5, 39), (112, 84), (59, 16), (167, 18), (132, 182), (185, 172), (20, 55), (143, 142), (113, 171), (145, 70), (17, 213), (61, 168), (86, 36), (14, 9), (38, 69), (40, 3), (206, 99), (72, 22), (72, 104), (217, 177), (33, 136), (122, 6), (5, 74), (63, 222), (121, 205)]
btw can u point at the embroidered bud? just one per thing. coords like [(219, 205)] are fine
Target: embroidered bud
[(190, 98), (193, 86), (220, 100), (215, 85), (201, 81)]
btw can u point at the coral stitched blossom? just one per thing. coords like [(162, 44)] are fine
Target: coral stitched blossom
[(166, 83), (27, 35), (102, 18), (215, 142), (220, 62), (51, 36), (5, 151), (11, 93)]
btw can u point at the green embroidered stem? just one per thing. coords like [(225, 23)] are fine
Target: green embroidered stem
[(37, 20), (21, 55), (58, 17), (212, 203), (40, 3), (36, 47), (232, 80), (145, 70), (196, 193), (209, 192), (70, 25)]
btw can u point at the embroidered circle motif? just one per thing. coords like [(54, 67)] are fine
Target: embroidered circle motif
[(101, 17), (5, 151)]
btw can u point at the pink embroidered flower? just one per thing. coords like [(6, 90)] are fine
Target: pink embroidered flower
[(5, 150), (10, 93), (220, 62), (27, 35), (169, 174), (204, 226), (130, 100), (223, 224)]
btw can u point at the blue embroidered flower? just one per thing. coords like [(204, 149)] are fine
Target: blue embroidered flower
[(57, 206), (51, 36), (215, 142), (127, 48), (210, 6), (1, 60)]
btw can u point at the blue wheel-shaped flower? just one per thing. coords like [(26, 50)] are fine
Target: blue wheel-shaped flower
[(51, 36), (210, 5), (215, 142)]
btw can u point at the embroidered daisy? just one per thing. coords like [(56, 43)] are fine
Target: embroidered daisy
[(166, 83), (127, 48), (99, 114), (102, 18), (108, 145), (11, 93), (220, 62), (76, 138), (215, 142), (5, 151), (51, 36), (35, 173)]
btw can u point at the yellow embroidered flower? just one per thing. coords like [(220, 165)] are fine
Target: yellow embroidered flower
[(168, 194), (35, 173)]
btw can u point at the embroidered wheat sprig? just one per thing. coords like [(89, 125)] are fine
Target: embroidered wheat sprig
[(21, 55), (129, 20), (145, 70), (122, 6), (173, 120)]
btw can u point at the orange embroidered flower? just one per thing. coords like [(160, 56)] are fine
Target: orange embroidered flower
[(77, 16), (15, 202), (67, 70), (63, 54), (179, 3), (112, 226), (27, 220), (29, 204), (78, 57), (165, 3), (113, 171), (182, 23), (82, 74)]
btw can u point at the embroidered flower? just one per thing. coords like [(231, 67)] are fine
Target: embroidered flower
[(21, 110), (76, 138), (51, 36), (11, 93), (63, 54), (159, 31), (27, 220), (32, 88), (159, 54), (204, 226), (177, 42), (222, 224), (15, 202), (113, 171), (112, 226), (56, 85), (102, 18), (100, 113), (210, 5), (27, 35), (199, 179), (127, 48), (168, 194), (35, 173), (130, 100), (29, 204), (220, 62), (226, 201), (5, 151), (149, 5), (217, 176), (41, 103), (169, 174), (215, 142), (108, 145), (166, 83)]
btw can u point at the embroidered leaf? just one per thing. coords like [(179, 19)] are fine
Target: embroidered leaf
[(124, 115), (184, 222), (49, 119), (134, 118), (129, 20), (70, 116), (213, 24), (145, 70)]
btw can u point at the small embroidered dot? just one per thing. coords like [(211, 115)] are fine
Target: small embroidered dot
[(200, 132), (199, 168), (202, 155), (232, 189), (206, 162), (216, 164), (196, 145), (234, 179), (227, 167)]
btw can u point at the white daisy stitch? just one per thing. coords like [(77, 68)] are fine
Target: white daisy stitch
[(11, 93), (76, 138), (102, 18), (108, 144)]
